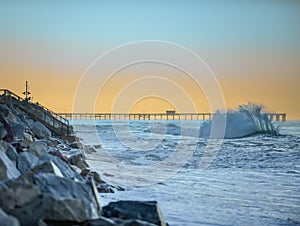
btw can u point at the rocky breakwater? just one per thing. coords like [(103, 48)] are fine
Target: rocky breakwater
[(45, 180)]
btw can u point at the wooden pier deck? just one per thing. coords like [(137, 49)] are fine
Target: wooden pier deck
[(154, 116)]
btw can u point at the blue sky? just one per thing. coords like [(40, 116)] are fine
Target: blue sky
[(192, 23)]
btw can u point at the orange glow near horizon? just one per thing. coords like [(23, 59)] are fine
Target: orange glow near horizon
[(59, 96), (55, 86)]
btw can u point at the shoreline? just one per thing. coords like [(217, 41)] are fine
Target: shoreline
[(46, 180)]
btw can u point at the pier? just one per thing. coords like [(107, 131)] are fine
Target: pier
[(155, 116), (138, 116)]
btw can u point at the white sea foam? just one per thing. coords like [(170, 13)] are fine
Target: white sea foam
[(247, 120)]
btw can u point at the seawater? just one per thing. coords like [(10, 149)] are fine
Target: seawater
[(251, 181)]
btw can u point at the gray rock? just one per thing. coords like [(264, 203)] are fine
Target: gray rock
[(47, 167), (146, 211), (10, 151), (64, 188), (3, 131), (26, 161), (37, 149), (7, 220), (76, 145), (63, 147), (89, 149), (14, 193), (118, 222), (4, 109), (68, 210), (40, 131), (17, 126), (76, 158), (133, 222), (63, 166), (8, 169), (102, 221), (56, 141), (46, 143), (52, 211)]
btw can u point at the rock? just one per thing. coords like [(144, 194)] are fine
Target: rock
[(40, 131), (10, 137), (7, 220), (63, 147), (75, 169), (8, 169), (89, 149), (3, 131), (49, 210), (118, 222), (27, 136), (64, 188), (55, 152), (3, 146), (102, 221), (4, 109), (14, 193), (104, 188), (76, 145), (26, 177), (26, 161), (73, 210), (97, 146), (63, 166), (56, 141), (37, 149), (47, 143), (17, 127), (146, 211), (10, 151), (76, 157), (47, 167), (89, 173)]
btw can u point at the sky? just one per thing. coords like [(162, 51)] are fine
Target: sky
[(253, 48)]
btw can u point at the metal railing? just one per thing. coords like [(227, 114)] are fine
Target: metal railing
[(39, 112)]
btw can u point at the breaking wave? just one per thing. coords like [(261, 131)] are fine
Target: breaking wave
[(246, 121)]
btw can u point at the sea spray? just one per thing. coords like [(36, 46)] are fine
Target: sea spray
[(246, 121)]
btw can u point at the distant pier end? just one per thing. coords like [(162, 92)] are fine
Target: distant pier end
[(277, 116)]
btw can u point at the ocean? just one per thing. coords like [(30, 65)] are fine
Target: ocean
[(253, 180)]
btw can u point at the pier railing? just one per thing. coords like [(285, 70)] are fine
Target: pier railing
[(53, 121)]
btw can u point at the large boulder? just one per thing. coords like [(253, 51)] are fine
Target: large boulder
[(47, 167), (40, 131), (17, 126), (10, 151), (7, 220), (10, 136), (76, 158), (64, 188), (146, 211), (49, 210), (37, 149), (63, 166), (8, 169), (3, 131), (26, 161), (14, 193)]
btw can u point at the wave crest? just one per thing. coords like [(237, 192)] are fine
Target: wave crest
[(246, 121)]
